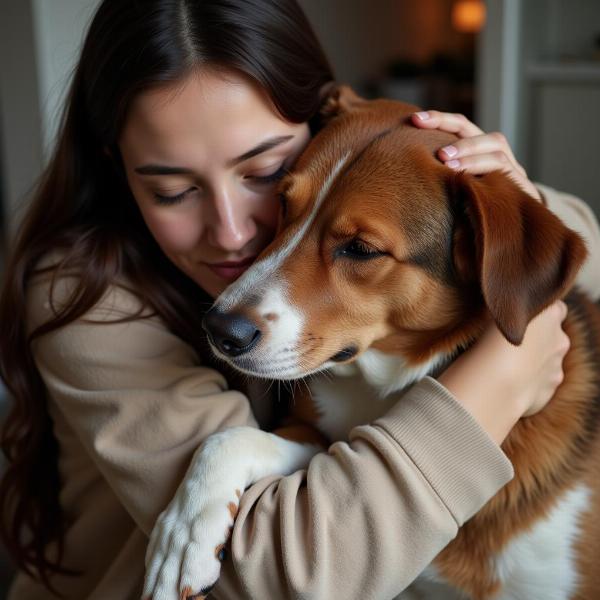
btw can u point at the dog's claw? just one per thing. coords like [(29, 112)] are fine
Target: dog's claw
[(188, 594), (185, 593)]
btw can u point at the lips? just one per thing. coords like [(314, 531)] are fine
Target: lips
[(231, 270)]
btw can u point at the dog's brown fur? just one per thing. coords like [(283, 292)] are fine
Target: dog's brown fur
[(445, 253), (502, 254)]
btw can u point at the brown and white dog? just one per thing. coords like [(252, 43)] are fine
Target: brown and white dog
[(386, 265)]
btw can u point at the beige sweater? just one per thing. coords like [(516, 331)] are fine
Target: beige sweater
[(130, 404)]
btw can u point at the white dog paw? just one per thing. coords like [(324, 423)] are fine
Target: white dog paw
[(187, 543), (187, 547)]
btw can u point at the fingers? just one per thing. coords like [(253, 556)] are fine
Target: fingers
[(450, 122), (555, 312), (563, 310), (478, 164), (547, 343), (491, 144), (550, 320), (564, 343), (475, 152)]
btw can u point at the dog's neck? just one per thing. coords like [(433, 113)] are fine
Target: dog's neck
[(388, 373)]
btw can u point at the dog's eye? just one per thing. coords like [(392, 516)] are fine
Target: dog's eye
[(359, 250)]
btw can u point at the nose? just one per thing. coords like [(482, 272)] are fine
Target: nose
[(231, 333), (232, 225)]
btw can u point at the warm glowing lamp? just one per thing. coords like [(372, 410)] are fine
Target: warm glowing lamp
[(468, 16)]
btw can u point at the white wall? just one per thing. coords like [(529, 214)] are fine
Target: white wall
[(359, 36), (59, 27), (540, 86), (39, 42), (499, 71), (20, 118)]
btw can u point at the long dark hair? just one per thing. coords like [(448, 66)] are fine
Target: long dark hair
[(83, 207)]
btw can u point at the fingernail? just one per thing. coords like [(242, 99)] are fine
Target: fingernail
[(453, 164), (450, 151), (422, 116)]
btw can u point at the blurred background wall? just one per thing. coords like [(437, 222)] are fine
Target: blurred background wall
[(530, 68), (524, 73)]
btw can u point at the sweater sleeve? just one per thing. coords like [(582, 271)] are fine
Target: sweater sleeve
[(577, 215), (369, 515), (363, 520), (134, 395)]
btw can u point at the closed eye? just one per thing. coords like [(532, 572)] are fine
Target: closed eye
[(357, 249), (276, 176), (168, 200)]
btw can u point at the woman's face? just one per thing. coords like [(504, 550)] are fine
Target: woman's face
[(203, 158)]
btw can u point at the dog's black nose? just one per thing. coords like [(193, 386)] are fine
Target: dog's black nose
[(232, 334)]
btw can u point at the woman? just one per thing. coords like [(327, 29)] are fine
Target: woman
[(181, 118)]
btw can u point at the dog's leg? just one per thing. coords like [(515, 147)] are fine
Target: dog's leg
[(186, 545)]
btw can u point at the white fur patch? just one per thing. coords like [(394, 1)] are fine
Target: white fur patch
[(535, 565), (539, 564), (363, 390), (284, 332), (345, 402), (187, 534), (389, 373)]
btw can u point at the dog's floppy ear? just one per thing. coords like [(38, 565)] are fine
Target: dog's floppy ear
[(526, 258), (337, 99)]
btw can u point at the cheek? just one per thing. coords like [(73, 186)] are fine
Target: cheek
[(174, 233)]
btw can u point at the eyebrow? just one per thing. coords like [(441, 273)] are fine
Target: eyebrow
[(262, 147)]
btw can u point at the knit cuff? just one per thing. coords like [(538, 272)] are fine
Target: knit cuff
[(457, 457)]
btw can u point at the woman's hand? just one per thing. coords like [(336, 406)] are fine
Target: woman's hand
[(498, 383), (475, 152)]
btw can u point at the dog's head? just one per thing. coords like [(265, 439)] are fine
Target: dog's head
[(382, 246)]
